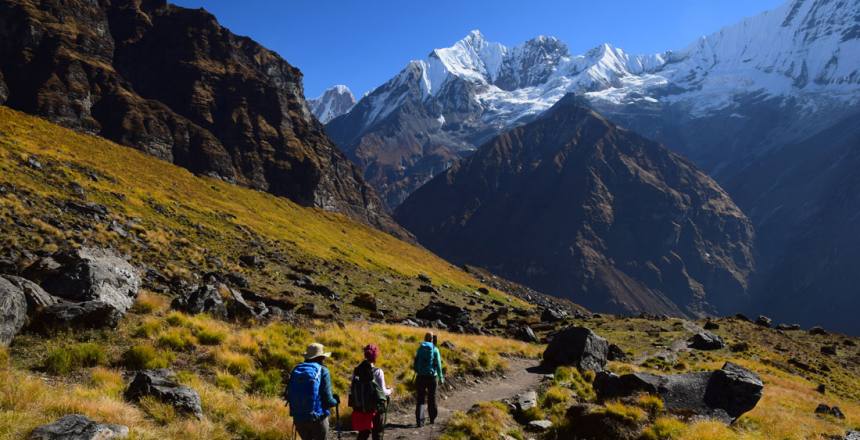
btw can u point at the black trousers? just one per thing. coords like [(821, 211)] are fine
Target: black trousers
[(426, 388), (377, 428)]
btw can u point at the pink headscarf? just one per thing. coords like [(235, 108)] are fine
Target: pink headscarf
[(371, 352)]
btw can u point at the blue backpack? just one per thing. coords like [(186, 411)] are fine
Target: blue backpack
[(424, 360), (303, 392)]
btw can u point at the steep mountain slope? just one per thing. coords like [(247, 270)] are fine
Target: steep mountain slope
[(572, 205), (173, 83), (804, 200), (334, 102), (760, 83)]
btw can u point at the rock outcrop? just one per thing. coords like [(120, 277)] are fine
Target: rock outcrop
[(174, 83), (723, 394), (162, 385), (705, 341), (78, 427), (13, 311)]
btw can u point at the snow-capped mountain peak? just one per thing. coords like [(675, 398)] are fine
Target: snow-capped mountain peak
[(335, 101)]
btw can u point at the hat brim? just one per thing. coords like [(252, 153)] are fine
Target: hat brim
[(321, 355)]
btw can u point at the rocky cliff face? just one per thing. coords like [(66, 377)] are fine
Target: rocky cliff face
[(572, 205), (174, 83)]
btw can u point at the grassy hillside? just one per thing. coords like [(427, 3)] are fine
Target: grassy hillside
[(60, 189), (183, 225), (790, 364)]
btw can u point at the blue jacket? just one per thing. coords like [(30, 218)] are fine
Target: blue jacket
[(326, 398)]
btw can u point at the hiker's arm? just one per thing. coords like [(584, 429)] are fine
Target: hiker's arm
[(415, 363), (328, 400), (379, 377), (438, 365)]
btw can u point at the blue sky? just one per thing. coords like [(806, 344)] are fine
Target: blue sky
[(362, 43)]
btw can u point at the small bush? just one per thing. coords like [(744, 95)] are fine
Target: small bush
[(149, 303), (161, 412), (148, 328), (651, 403), (625, 413), (177, 339), (267, 383), (178, 319), (555, 395), (235, 363), (4, 358), (486, 421), (227, 381), (210, 336), (144, 357), (664, 428), (64, 360)]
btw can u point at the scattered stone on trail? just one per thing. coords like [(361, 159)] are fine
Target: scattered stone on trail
[(850, 435), (616, 353), (483, 290), (409, 323), (817, 330), (526, 401), (448, 344), (76, 315), (834, 411), (162, 385), (33, 162), (579, 347), (13, 311), (706, 341), (711, 325), (821, 388), (849, 343), (539, 425), (828, 350), (88, 274), (742, 317), (90, 209), (724, 394), (764, 321), (588, 421), (424, 278), (788, 327), (78, 427)]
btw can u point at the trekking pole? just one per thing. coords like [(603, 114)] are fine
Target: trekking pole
[(385, 418), (337, 415)]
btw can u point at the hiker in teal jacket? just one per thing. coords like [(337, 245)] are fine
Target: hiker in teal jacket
[(428, 370)]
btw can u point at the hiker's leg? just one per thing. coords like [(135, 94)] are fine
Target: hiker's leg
[(305, 430), (321, 429), (419, 399), (363, 435), (431, 398), (378, 426)]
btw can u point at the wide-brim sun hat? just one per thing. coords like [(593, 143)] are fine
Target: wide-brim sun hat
[(315, 350)]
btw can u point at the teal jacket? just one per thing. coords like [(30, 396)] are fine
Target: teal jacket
[(428, 361)]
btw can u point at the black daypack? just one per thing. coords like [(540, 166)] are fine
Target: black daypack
[(365, 395)]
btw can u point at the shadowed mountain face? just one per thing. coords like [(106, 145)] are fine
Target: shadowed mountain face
[(572, 205), (805, 202), (174, 83)]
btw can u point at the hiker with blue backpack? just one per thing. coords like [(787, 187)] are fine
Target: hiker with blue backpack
[(368, 396), (428, 370), (309, 394)]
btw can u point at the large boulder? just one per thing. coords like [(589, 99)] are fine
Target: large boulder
[(78, 427), (723, 394), (76, 315), (705, 341), (88, 275), (37, 298), (579, 347), (162, 385), (13, 311)]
